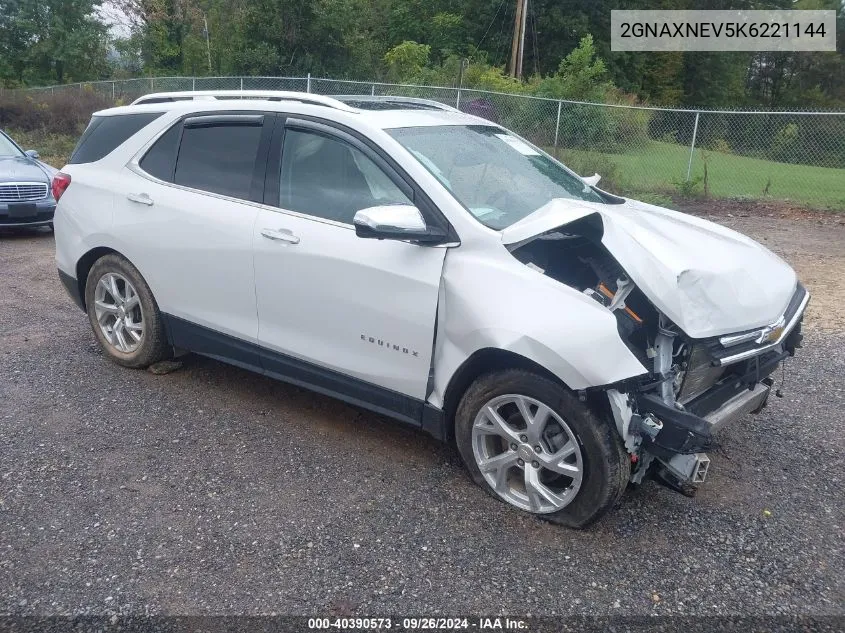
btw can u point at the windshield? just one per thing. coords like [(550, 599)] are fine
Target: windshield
[(7, 148), (498, 177)]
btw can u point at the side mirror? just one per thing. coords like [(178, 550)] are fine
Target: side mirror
[(394, 222), (33, 154), (592, 180)]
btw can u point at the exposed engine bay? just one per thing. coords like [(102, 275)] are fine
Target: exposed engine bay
[(668, 416), (577, 258)]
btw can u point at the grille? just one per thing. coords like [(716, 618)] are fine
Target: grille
[(22, 191), (699, 376), (736, 347)]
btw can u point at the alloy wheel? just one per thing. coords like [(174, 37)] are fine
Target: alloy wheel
[(527, 453), (120, 316)]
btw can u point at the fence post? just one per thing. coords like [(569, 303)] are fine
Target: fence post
[(152, 85), (193, 84), (308, 83), (373, 91), (557, 125), (692, 146), (112, 91), (242, 84), (464, 63)]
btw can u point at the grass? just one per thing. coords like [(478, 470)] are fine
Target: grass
[(54, 149), (661, 167)]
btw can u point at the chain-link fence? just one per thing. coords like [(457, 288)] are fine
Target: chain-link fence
[(653, 153)]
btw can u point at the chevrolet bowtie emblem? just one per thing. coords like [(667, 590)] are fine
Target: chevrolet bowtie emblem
[(772, 333)]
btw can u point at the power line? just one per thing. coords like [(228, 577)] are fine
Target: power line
[(502, 30), (501, 4)]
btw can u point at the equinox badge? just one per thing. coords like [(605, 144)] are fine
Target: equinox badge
[(390, 346)]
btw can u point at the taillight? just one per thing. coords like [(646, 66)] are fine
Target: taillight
[(61, 181)]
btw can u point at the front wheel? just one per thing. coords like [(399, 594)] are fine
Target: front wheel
[(531, 443), (123, 313)]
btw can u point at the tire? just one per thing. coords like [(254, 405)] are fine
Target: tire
[(582, 463), (132, 295)]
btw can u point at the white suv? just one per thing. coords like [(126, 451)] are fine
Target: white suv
[(432, 267)]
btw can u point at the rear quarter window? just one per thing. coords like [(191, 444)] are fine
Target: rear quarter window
[(105, 133), (160, 159)]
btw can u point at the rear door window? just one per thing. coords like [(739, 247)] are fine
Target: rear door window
[(219, 154), (106, 133)]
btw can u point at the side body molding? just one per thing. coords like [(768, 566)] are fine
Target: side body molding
[(497, 302)]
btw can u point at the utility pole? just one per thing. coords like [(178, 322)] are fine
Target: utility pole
[(518, 42), (207, 44), (515, 39), (522, 38)]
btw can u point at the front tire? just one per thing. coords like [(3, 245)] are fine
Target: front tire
[(123, 313), (531, 443)]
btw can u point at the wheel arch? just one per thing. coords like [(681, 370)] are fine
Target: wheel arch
[(86, 262), (480, 362)]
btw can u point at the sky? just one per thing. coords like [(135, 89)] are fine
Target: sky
[(118, 22)]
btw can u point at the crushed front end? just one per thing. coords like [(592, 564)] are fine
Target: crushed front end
[(696, 387)]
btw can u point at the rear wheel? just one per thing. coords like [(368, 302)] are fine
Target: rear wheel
[(531, 443), (123, 313)]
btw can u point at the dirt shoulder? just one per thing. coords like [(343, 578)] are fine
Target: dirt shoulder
[(812, 241)]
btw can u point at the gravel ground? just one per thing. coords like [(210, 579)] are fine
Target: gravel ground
[(212, 490)]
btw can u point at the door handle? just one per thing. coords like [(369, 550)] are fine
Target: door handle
[(280, 235), (140, 198)]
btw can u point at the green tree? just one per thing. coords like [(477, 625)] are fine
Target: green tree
[(17, 34), (405, 62), (714, 80), (581, 75), (52, 40), (567, 49)]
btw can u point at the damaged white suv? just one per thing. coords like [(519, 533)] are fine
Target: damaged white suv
[(433, 267)]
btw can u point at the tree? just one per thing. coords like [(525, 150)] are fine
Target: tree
[(406, 61), (52, 40), (17, 34), (581, 75), (567, 48)]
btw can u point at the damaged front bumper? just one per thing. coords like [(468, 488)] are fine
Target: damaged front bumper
[(678, 432), (691, 429)]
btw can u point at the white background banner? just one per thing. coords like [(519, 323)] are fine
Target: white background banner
[(782, 30)]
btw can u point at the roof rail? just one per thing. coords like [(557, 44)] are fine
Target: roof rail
[(396, 99), (269, 95)]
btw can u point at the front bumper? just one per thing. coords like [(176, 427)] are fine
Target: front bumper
[(742, 388), (749, 401), (27, 214), (686, 433)]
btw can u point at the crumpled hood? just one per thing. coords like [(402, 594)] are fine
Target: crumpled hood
[(20, 169), (708, 279)]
